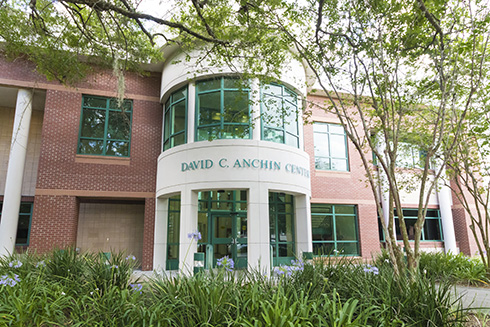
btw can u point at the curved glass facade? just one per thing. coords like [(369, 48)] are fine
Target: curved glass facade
[(174, 130), (279, 115), (222, 109)]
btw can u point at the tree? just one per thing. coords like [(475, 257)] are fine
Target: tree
[(396, 73)]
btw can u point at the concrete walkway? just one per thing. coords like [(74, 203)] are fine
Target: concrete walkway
[(474, 297)]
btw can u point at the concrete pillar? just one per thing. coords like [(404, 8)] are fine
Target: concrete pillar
[(160, 238), (258, 254), (15, 171), (188, 224), (191, 112), (302, 222), (444, 198), (256, 121)]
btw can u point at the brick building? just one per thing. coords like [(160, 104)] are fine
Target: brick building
[(188, 152)]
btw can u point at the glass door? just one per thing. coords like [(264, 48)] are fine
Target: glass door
[(229, 238)]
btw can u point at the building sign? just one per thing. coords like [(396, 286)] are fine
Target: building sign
[(226, 163)]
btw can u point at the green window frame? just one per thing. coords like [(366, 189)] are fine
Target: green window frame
[(281, 228), (105, 127), (173, 233), (334, 229), (330, 144), (432, 230), (24, 224), (222, 109), (279, 115), (175, 119)]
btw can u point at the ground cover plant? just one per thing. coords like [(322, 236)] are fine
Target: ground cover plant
[(65, 288)]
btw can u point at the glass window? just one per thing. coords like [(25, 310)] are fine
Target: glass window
[(173, 233), (330, 147), (24, 224), (334, 229), (105, 127), (281, 228), (279, 115), (432, 226), (222, 109), (175, 121)]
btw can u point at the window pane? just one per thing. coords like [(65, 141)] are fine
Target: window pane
[(93, 123), (91, 146), (119, 125), (236, 107), (323, 248), (432, 230), (202, 226), (208, 133), (346, 228), (292, 140), (337, 146), (25, 208), (337, 129), (167, 125), (410, 213), (273, 135), (290, 96), (322, 163), (322, 208), (179, 119), (285, 228), (273, 89), (23, 229), (178, 139), (233, 83), (117, 148), (345, 210), (339, 164), (94, 102), (347, 248), (209, 108), (236, 132), (290, 119), (320, 128), (272, 114), (322, 227), (286, 250), (180, 94), (173, 227), (173, 252), (126, 105), (212, 84), (321, 145)]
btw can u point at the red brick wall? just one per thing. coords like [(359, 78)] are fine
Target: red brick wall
[(54, 222), (344, 187), (55, 216), (148, 234)]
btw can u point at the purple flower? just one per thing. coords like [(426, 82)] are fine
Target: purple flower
[(194, 235), (136, 288), (130, 257), (226, 263), (371, 269), (15, 264), (9, 281)]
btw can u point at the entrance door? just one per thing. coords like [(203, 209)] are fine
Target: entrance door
[(229, 238)]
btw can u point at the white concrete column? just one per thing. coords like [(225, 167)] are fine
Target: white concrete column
[(258, 254), (191, 112), (256, 121), (15, 172), (188, 224), (160, 236), (302, 222), (444, 198)]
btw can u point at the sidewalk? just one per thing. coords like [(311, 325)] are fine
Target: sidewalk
[(474, 297)]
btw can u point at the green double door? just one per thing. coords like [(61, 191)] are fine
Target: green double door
[(229, 237)]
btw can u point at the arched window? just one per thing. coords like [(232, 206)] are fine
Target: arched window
[(222, 109), (279, 115), (175, 119)]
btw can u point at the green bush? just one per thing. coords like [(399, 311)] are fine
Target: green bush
[(69, 289)]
